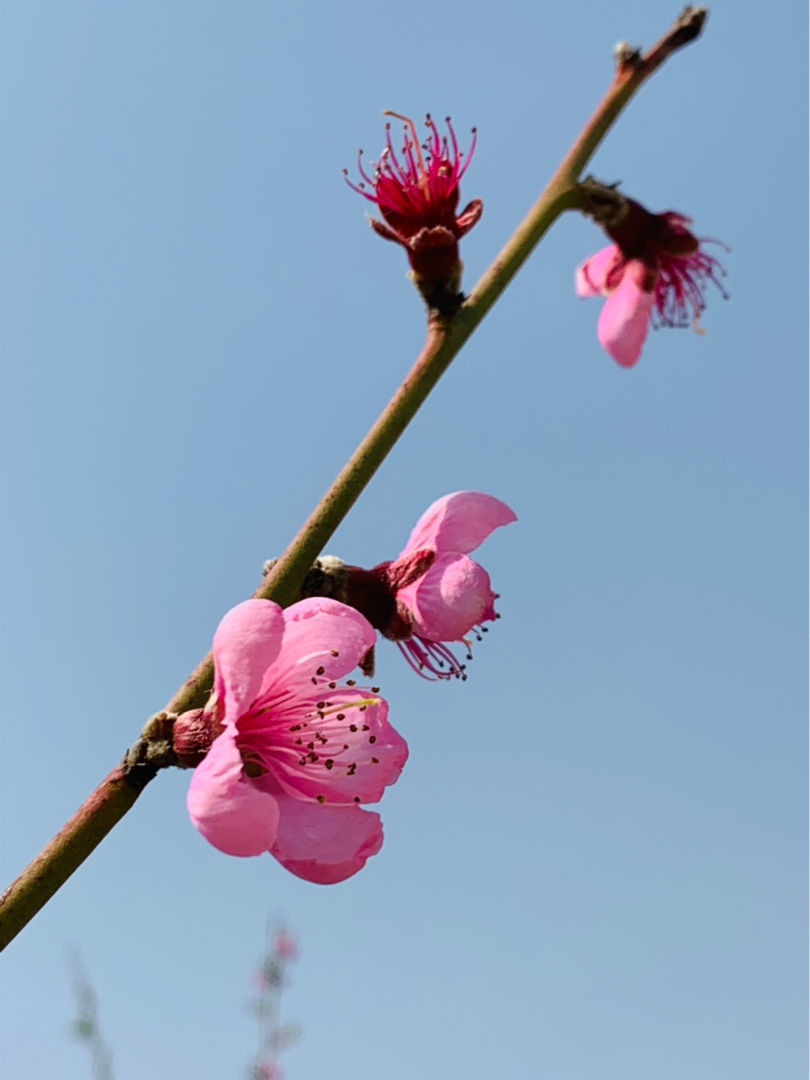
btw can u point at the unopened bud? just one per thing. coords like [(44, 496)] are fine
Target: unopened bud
[(626, 55), (193, 733)]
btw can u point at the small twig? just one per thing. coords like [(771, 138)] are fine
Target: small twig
[(86, 1026)]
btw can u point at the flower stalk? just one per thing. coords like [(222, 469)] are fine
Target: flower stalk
[(445, 338)]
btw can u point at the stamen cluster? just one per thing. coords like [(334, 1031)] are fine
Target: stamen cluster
[(417, 192)]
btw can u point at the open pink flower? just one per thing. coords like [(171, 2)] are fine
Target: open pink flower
[(417, 194), (298, 750), (434, 593), (656, 271)]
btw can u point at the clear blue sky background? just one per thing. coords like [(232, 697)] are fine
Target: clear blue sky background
[(594, 865)]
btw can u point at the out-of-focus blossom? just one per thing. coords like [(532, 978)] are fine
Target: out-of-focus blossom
[(267, 1070), (655, 271), (299, 749), (285, 946)]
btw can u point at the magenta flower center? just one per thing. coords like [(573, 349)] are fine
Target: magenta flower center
[(416, 187), (284, 733)]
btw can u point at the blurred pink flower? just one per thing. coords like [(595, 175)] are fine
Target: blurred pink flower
[(298, 751), (268, 1070), (656, 271), (285, 946), (417, 195), (434, 593)]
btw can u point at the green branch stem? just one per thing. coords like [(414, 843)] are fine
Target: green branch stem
[(445, 338)]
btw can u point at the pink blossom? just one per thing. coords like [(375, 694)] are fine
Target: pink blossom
[(434, 593), (417, 195), (656, 271), (298, 750), (285, 946), (268, 1070)]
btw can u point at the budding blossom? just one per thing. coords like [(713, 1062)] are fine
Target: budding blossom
[(298, 750), (434, 593), (655, 271), (417, 195)]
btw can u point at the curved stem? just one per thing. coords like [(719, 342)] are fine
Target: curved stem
[(111, 800)]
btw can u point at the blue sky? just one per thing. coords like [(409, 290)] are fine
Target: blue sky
[(594, 863)]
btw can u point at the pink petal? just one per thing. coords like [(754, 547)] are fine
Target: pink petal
[(592, 274), (625, 320), (315, 630), (230, 812), (246, 643), (458, 522), (452, 597), (325, 844), (350, 765)]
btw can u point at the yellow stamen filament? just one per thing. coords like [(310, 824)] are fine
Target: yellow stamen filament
[(353, 705), (409, 123)]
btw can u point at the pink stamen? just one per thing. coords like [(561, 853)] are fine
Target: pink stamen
[(408, 124)]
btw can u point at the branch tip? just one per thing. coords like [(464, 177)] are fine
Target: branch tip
[(688, 26)]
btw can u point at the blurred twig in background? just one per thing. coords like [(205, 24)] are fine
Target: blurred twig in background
[(86, 1026), (271, 978)]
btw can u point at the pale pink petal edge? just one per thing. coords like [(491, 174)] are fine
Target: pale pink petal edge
[(247, 641), (459, 522), (325, 844), (625, 321)]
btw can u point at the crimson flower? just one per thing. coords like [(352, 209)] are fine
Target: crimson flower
[(655, 271), (297, 750), (417, 195)]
